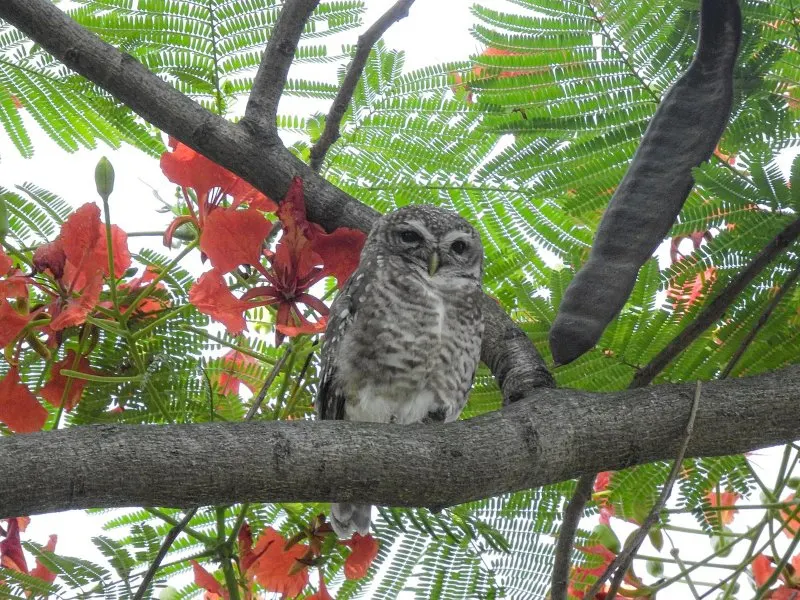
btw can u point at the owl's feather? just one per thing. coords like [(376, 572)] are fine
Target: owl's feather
[(404, 335)]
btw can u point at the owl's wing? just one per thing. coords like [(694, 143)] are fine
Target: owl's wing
[(330, 395)]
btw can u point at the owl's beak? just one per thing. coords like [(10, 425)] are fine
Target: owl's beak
[(433, 263)]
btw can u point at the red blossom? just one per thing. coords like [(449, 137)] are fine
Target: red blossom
[(5, 262), (601, 484), (790, 518), (234, 237), (129, 291), (40, 571), (725, 517), (12, 322), (77, 309), (364, 550), (11, 555), (50, 257), (211, 184), (762, 569), (19, 408), (206, 581), (54, 390), (211, 296), (276, 568), (322, 591), (235, 364), (582, 578), (246, 555)]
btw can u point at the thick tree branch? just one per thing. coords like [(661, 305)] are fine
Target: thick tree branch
[(262, 107), (365, 43), (267, 164), (559, 435), (714, 311)]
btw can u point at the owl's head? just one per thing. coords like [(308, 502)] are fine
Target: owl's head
[(436, 242)]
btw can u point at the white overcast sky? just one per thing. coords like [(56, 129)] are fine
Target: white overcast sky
[(435, 31)]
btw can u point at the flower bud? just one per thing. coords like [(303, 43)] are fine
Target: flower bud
[(104, 178)]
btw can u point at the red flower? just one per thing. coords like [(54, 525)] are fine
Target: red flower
[(322, 592), (129, 291), (723, 517), (305, 254), (792, 526), (206, 581), (234, 237), (762, 569), (19, 408), (54, 390), (364, 550), (212, 297), (583, 578), (601, 484), (211, 184), (238, 369), (12, 322), (276, 568), (42, 572), (11, 555)]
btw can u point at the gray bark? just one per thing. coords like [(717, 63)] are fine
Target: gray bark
[(557, 435)]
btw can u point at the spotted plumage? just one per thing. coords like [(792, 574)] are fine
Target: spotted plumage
[(404, 334)]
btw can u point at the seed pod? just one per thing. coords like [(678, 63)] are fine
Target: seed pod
[(682, 134)]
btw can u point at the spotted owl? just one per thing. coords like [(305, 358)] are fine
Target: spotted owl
[(404, 334)]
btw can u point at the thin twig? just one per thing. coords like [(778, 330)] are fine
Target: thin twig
[(262, 107), (262, 393), (162, 552), (684, 572), (620, 565), (762, 320), (569, 525), (711, 313), (345, 94)]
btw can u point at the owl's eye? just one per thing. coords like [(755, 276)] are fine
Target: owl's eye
[(459, 246), (409, 236)]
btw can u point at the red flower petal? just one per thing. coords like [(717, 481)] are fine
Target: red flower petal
[(53, 391), (78, 309), (244, 193), (211, 296), (233, 237), (50, 256), (725, 517), (364, 550), (11, 323), (206, 581), (272, 565), (5, 262), (246, 555), (322, 592), (234, 364), (19, 408), (340, 251), (80, 233), (42, 572), (11, 555), (190, 169), (308, 329), (762, 569)]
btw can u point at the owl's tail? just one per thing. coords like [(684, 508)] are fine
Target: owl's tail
[(348, 518)]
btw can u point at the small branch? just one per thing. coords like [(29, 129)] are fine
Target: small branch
[(569, 525), (365, 43), (620, 565), (262, 393), (762, 320), (684, 573), (711, 313), (262, 107), (171, 536)]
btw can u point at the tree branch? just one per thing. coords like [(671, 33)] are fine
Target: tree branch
[(559, 435), (569, 525), (268, 165), (718, 306), (365, 43), (262, 106)]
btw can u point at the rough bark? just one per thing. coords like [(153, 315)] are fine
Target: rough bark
[(556, 436)]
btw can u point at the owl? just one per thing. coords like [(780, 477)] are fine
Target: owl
[(404, 334)]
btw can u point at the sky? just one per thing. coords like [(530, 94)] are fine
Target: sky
[(436, 31)]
